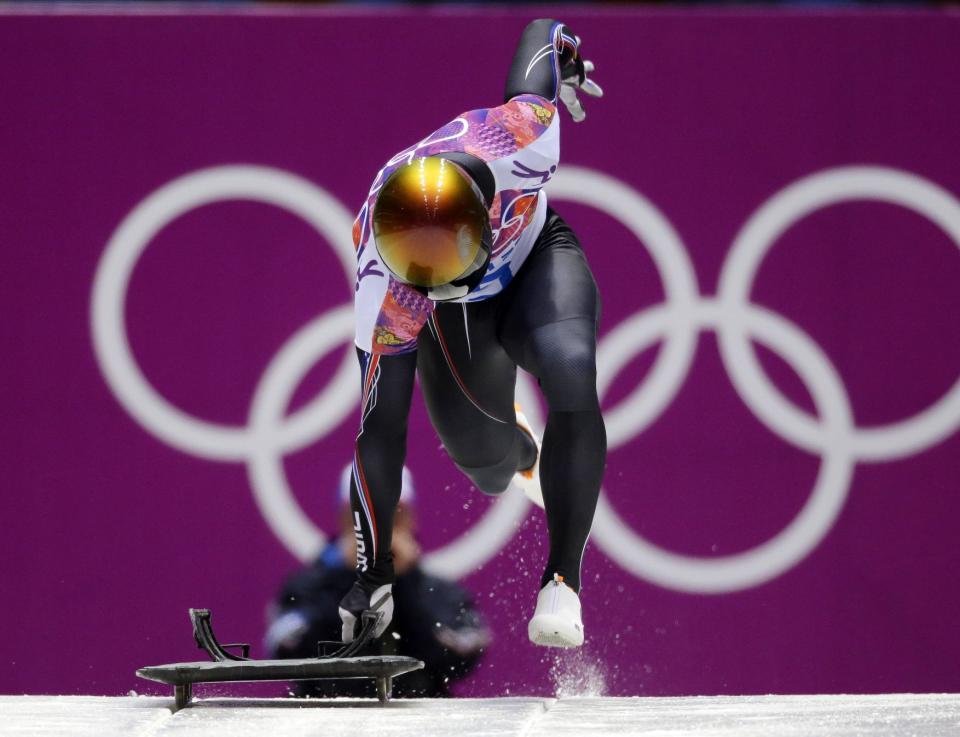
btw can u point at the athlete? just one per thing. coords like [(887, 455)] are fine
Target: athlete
[(464, 273)]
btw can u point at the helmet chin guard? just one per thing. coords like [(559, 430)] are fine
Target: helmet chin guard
[(431, 228), (446, 292), (461, 287)]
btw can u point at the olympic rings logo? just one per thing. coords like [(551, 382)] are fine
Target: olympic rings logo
[(270, 434)]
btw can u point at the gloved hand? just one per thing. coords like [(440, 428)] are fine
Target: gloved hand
[(358, 600), (573, 72)]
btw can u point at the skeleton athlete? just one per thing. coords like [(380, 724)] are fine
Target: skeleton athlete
[(464, 273)]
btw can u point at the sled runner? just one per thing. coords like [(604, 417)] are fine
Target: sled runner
[(230, 667)]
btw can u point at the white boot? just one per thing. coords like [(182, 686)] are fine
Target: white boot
[(529, 480), (556, 622)]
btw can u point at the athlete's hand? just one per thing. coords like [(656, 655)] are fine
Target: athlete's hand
[(357, 601), (574, 72)]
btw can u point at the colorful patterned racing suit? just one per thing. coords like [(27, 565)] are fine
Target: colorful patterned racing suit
[(517, 147), (519, 142)]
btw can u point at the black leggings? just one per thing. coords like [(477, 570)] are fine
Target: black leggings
[(545, 321)]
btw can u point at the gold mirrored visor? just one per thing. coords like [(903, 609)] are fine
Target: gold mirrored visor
[(428, 223)]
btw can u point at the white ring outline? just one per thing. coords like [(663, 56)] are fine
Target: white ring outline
[(731, 319), (710, 575), (680, 318), (683, 314), (618, 200), (757, 237), (265, 470), (264, 441), (239, 182)]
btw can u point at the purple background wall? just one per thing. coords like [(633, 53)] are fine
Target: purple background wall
[(107, 533)]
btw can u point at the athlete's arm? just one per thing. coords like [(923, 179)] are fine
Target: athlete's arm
[(546, 50), (388, 318), (548, 63), (379, 454)]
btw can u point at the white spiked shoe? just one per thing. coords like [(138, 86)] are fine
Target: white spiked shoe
[(556, 621)]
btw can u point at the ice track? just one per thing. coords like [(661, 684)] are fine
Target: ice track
[(922, 715)]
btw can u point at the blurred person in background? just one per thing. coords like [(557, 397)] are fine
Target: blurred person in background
[(434, 619)]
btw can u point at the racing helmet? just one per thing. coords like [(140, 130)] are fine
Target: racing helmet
[(431, 228)]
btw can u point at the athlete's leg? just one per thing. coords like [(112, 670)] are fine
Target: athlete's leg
[(548, 325), (468, 383)]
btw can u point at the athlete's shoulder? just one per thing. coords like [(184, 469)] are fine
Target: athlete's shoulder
[(492, 133), (489, 133), (530, 107)]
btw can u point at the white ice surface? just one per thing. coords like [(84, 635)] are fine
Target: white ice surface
[(922, 715)]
